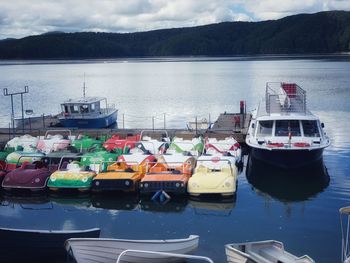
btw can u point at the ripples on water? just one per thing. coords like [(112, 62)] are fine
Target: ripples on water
[(301, 210)]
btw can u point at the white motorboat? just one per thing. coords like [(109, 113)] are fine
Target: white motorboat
[(283, 132), (105, 250), (269, 251)]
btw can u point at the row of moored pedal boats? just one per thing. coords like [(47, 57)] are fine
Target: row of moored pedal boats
[(139, 162)]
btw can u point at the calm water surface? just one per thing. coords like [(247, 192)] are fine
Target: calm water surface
[(301, 211)]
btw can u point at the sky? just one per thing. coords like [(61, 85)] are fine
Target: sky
[(20, 18)]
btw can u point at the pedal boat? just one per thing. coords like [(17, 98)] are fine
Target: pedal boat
[(125, 174), (170, 174), (214, 174), (226, 146), (98, 160), (31, 176), (84, 142), (124, 144), (73, 176), (56, 142), (180, 145)]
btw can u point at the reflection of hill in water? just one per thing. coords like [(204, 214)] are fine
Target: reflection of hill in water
[(214, 206), (115, 201), (298, 185), (175, 204)]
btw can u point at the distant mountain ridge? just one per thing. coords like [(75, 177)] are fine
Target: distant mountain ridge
[(323, 32)]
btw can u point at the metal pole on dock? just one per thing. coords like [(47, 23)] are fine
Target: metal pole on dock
[(196, 124), (12, 115), (26, 90), (164, 122), (123, 122), (22, 112), (152, 122)]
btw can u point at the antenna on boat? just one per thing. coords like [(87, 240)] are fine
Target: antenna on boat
[(84, 87)]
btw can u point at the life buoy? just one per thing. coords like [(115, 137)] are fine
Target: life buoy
[(275, 144), (301, 144)]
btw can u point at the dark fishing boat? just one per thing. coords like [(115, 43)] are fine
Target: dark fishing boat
[(23, 244)]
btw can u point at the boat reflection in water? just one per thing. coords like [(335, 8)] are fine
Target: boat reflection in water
[(116, 201), (287, 185), (71, 201), (213, 205), (176, 204)]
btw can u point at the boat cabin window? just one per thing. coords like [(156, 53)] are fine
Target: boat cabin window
[(92, 107), (283, 127), (74, 109), (265, 128), (310, 128), (84, 108)]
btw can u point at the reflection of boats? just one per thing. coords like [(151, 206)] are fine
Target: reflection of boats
[(115, 201), (71, 200), (25, 245), (88, 112), (269, 251), (212, 206), (293, 185), (104, 250), (283, 132), (176, 204), (345, 222)]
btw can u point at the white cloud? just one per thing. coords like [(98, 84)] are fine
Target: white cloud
[(26, 17)]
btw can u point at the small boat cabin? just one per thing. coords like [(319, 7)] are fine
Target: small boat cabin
[(87, 105)]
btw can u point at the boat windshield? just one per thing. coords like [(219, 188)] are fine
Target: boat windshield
[(284, 127), (265, 128), (310, 128)]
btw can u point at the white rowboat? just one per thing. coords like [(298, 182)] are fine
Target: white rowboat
[(269, 251), (104, 250)]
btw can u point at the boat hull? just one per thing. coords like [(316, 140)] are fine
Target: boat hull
[(287, 159), (107, 250), (90, 123), (19, 245)]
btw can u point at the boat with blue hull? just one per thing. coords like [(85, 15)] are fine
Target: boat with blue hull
[(283, 132), (88, 112)]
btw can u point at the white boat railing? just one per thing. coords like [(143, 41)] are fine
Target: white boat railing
[(285, 98), (165, 254)]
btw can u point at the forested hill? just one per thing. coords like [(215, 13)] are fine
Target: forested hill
[(324, 32)]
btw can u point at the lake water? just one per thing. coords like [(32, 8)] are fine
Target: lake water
[(300, 210)]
